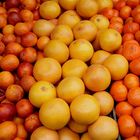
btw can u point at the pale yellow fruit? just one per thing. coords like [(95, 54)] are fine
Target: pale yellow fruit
[(41, 92), (100, 21), (69, 88), (81, 49), (85, 109), (74, 67), (57, 49), (54, 114)]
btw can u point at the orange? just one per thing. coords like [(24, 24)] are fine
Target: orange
[(87, 8), (69, 88), (47, 69), (104, 4), (57, 49), (70, 18), (99, 57), (41, 92), (106, 102), (85, 109), (8, 29), (43, 27), (81, 49), (42, 42), (74, 67), (118, 91), (54, 114), (131, 81), (136, 115), (43, 132), (85, 29), (97, 77), (85, 136), (132, 138), (100, 21), (137, 132), (126, 125), (117, 65), (123, 108), (76, 127), (68, 4), (63, 33), (67, 134), (134, 96), (110, 40), (49, 10), (105, 128)]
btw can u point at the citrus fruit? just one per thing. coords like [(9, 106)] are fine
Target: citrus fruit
[(81, 49), (54, 114), (74, 67), (41, 92), (110, 40), (47, 69), (85, 109), (117, 65), (57, 49), (69, 88), (106, 102), (104, 128), (97, 77)]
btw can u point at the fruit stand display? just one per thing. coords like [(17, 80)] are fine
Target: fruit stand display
[(69, 70)]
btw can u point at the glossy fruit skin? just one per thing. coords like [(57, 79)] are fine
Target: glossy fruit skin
[(29, 39), (7, 112), (13, 48), (77, 47), (126, 125), (118, 91), (131, 81), (87, 116), (97, 72), (2, 47), (12, 3), (9, 62), (26, 82), (24, 68), (53, 74), (123, 108), (85, 136), (106, 102), (106, 43), (43, 133), (76, 127), (63, 33), (72, 66), (13, 18), (46, 11), (24, 108), (85, 30), (66, 133), (70, 18), (87, 8), (6, 79), (8, 130), (43, 27), (26, 53), (21, 132), (69, 88), (99, 127), (62, 110), (113, 62), (46, 92), (133, 96), (14, 93), (58, 50), (32, 122), (136, 114)]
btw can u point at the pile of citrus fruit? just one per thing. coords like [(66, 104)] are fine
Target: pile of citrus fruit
[(65, 65)]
